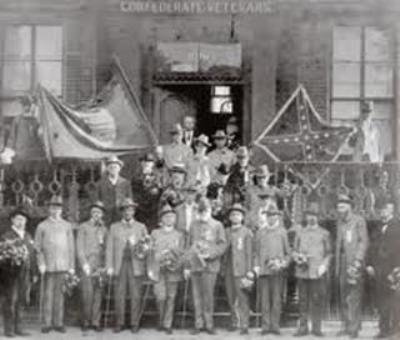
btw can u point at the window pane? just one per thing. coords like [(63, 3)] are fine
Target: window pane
[(383, 110), (49, 42), (16, 77), (378, 80), (221, 90), (385, 128), (346, 80), (18, 42), (377, 45), (49, 74), (345, 110), (347, 43)]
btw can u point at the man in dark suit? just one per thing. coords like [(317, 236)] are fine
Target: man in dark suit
[(16, 279), (189, 130), (383, 261)]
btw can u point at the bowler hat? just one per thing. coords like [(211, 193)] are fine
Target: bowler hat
[(219, 134), (19, 211), (347, 199), (237, 207), (202, 139), (114, 159), (148, 157), (56, 200), (166, 209), (128, 202), (312, 209), (98, 204)]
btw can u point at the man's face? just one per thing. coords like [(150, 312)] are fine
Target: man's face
[(387, 212), (262, 181), (128, 213), (96, 214), (19, 221), (236, 217), (176, 137), (168, 219), (243, 161), (311, 220), (113, 169), (201, 148), (272, 219), (189, 123), (231, 129), (343, 209), (147, 167), (55, 211), (220, 142)]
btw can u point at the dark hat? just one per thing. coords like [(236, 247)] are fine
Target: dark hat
[(128, 202), (312, 209), (271, 211), (19, 211), (219, 134), (367, 106), (242, 152), (166, 209), (262, 171), (178, 167), (347, 199), (237, 207), (55, 200), (114, 159), (176, 128), (98, 204), (148, 157), (202, 139), (232, 120)]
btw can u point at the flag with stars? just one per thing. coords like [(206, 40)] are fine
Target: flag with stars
[(299, 134)]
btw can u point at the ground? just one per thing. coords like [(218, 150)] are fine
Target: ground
[(330, 328)]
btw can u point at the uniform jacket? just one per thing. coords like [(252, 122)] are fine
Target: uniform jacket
[(239, 255), (212, 234), (270, 243), (351, 242), (55, 245), (162, 241), (315, 243), (117, 241), (90, 245), (176, 153)]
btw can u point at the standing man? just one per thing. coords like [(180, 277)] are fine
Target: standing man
[(238, 265), (207, 243), (112, 189), (351, 247), (15, 280), (189, 130), (221, 158), (272, 255), (90, 247), (386, 259), (166, 269), (56, 256), (312, 253), (173, 193), (125, 263), (186, 212), (177, 151)]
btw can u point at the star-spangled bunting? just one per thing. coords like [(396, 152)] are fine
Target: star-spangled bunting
[(298, 134)]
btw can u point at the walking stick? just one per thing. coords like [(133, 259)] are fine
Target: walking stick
[(185, 294), (258, 303), (143, 304), (108, 301), (41, 296)]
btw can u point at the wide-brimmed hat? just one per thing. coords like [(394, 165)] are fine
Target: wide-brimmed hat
[(242, 152), (114, 159), (176, 128), (312, 209), (19, 211), (179, 168), (262, 171), (127, 203), (219, 134), (98, 204), (237, 207), (55, 200), (347, 199), (202, 139), (166, 209)]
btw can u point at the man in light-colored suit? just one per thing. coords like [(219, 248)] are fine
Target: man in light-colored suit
[(186, 212), (125, 263)]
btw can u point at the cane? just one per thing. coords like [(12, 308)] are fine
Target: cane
[(41, 296), (258, 303), (185, 294), (143, 304), (108, 300)]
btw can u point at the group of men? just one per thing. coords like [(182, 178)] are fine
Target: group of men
[(187, 218)]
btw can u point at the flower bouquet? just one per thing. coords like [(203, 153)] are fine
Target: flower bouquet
[(301, 259), (13, 253), (354, 273), (100, 277), (247, 282), (201, 251), (170, 259), (394, 279), (71, 280), (276, 264), (142, 247)]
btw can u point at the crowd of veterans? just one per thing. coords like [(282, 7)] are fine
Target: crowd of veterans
[(190, 216)]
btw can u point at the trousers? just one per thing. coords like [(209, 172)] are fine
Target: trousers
[(238, 302), (165, 292), (270, 287), (53, 299), (91, 300), (11, 304)]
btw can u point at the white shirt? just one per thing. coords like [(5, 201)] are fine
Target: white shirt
[(20, 233), (189, 209), (113, 180)]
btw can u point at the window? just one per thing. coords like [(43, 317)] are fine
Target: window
[(221, 100), (32, 55), (363, 69)]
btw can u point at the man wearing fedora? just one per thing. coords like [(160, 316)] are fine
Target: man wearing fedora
[(221, 156), (312, 252), (112, 189), (238, 262), (56, 256), (177, 151), (165, 265), (207, 244), (173, 192), (272, 255), (15, 280), (125, 263), (90, 248), (351, 248)]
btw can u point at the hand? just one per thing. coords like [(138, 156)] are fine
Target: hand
[(132, 240), (71, 271), (86, 269), (151, 275), (257, 270), (370, 270), (322, 270), (186, 274), (42, 269), (110, 271)]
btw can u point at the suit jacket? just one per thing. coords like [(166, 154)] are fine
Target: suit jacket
[(212, 235), (182, 224), (352, 241), (90, 245), (55, 245), (117, 241), (237, 184), (239, 255)]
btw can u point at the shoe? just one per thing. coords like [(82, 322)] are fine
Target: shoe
[(160, 328), (168, 331), (117, 329), (134, 329), (381, 335), (244, 331), (318, 334), (195, 331), (21, 333), (275, 331), (232, 328), (85, 328), (342, 333), (265, 332), (9, 334), (46, 330), (353, 335), (60, 329), (300, 333), (211, 331)]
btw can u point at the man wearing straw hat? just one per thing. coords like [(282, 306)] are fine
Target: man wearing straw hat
[(128, 265), (311, 255), (351, 247), (56, 256), (15, 280), (90, 248)]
